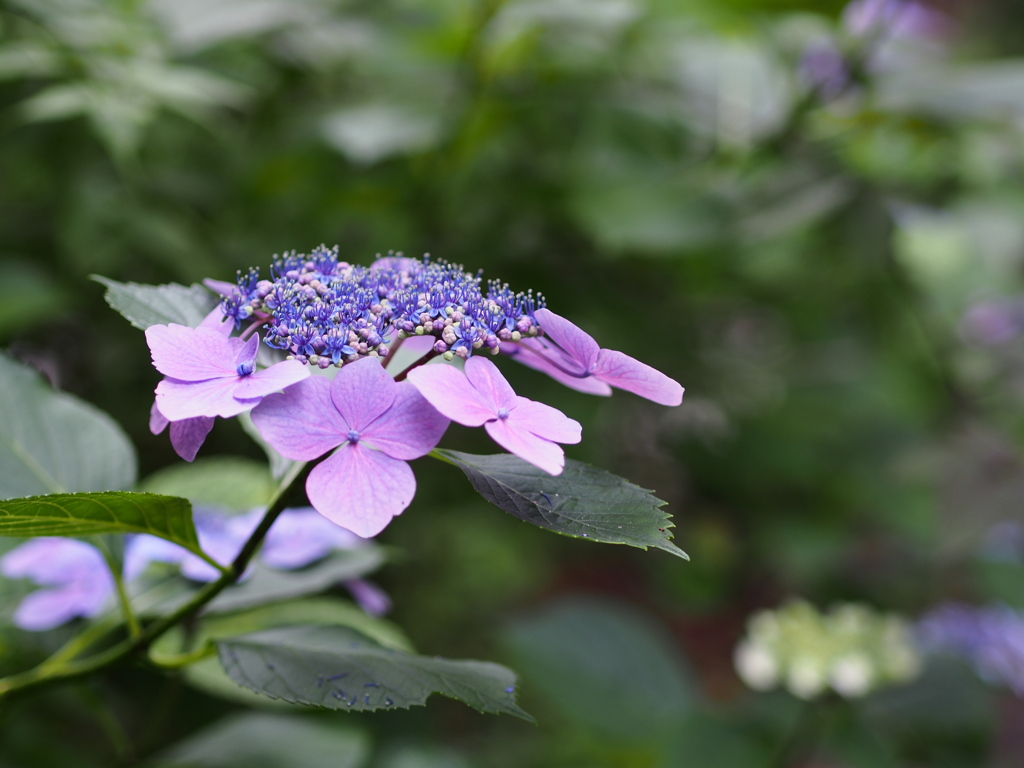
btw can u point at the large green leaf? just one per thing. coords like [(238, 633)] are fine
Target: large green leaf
[(606, 666), (51, 442), (340, 668), (146, 305), (583, 501), (84, 514), (258, 740)]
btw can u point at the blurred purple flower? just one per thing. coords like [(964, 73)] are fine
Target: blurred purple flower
[(894, 19), (78, 580), (377, 426), (299, 537), (481, 396), (990, 638), (575, 355), (824, 69), (994, 321)]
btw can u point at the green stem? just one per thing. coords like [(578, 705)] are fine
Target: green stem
[(134, 628), (48, 673), (179, 660), (83, 641)]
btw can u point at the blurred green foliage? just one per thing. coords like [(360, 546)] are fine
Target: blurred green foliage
[(668, 175)]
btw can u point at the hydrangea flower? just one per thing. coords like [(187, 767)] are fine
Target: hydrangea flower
[(990, 639), (324, 311), (575, 355), (376, 425), (208, 375), (299, 537), (851, 649), (481, 396), (75, 577)]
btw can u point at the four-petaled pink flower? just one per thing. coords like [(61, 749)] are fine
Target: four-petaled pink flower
[(577, 360), (376, 424), (482, 396), (210, 375)]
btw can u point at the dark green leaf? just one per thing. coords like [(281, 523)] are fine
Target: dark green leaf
[(146, 305), (340, 668), (605, 666), (270, 741), (583, 501), (85, 514), (51, 442)]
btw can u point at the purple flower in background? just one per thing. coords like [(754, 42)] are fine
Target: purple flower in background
[(994, 322), (209, 375), (482, 396), (991, 639), (299, 537), (901, 19), (578, 356), (76, 578), (376, 424), (823, 68)]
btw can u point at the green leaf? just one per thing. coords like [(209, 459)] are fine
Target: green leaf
[(231, 482), (270, 741), (207, 675), (51, 442), (583, 502), (340, 668), (146, 305), (606, 666), (86, 514)]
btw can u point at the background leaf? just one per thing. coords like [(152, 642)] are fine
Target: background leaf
[(583, 501), (339, 668), (605, 666), (146, 305), (84, 514), (51, 442), (270, 741)]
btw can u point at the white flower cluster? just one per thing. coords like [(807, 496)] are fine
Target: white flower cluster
[(852, 650)]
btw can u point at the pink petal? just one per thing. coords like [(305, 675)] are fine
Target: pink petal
[(157, 421), (624, 372), (247, 353), (539, 354), (576, 343), (545, 421), (488, 381), (217, 321), (222, 287), (362, 391), (361, 489), (527, 446), (188, 435), (191, 354), (410, 428), (447, 389), (179, 400), (302, 422), (273, 379)]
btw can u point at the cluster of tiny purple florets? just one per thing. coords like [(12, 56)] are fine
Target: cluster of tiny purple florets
[(328, 312)]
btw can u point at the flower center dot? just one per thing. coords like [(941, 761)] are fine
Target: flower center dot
[(503, 413), (245, 369), (353, 436)]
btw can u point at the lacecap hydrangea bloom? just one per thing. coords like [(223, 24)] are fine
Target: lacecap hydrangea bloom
[(323, 314), (852, 649)]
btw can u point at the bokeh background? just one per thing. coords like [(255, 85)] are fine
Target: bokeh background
[(811, 215)]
